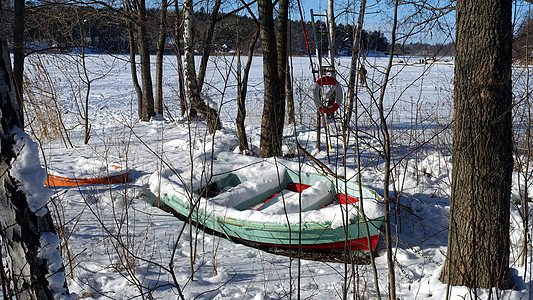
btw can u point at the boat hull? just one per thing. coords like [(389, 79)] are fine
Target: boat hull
[(53, 181), (308, 236)]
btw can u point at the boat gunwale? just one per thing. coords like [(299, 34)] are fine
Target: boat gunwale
[(261, 225), (338, 186)]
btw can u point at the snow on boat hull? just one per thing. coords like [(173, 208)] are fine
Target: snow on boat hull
[(320, 236)]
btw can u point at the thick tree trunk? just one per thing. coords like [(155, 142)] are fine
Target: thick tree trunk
[(147, 106), (274, 106), (478, 251), (21, 224), (10, 107), (18, 54), (159, 58), (210, 114)]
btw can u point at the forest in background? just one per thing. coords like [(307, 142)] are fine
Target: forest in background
[(59, 28), (74, 30)]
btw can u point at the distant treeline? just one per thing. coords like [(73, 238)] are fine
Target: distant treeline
[(59, 27)]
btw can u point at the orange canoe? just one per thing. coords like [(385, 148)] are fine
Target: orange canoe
[(59, 181)]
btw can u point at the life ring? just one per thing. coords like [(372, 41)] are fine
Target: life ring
[(329, 99)]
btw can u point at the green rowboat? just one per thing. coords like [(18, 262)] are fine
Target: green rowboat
[(283, 209)]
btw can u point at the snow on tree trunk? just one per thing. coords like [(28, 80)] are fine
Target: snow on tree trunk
[(34, 266)]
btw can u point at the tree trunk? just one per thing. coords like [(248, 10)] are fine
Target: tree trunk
[(242, 89), (159, 58), (133, 63), (291, 118), (147, 106), (331, 26), (210, 114), (18, 54), (181, 71), (21, 225), (356, 52), (386, 143), (478, 250), (283, 66), (273, 105), (241, 107), (208, 43)]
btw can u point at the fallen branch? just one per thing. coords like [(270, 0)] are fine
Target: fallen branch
[(318, 162)]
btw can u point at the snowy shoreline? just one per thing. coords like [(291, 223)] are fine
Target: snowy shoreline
[(117, 242)]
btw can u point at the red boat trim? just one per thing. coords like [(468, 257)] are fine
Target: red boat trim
[(59, 181), (360, 244), (355, 245), (343, 197), (297, 187), (268, 199), (293, 187)]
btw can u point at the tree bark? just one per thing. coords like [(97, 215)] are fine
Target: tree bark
[(181, 71), (210, 114), (21, 227), (147, 107), (291, 117), (242, 89), (331, 26), (133, 64), (356, 52), (283, 66), (386, 143), (18, 54), (208, 43), (159, 58), (273, 105), (478, 250)]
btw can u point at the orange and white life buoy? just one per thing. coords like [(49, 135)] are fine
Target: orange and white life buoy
[(327, 95)]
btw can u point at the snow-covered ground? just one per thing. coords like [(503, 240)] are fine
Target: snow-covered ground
[(117, 246)]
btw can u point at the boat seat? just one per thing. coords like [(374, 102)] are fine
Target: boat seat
[(314, 197), (247, 193)]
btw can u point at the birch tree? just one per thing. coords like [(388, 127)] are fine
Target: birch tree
[(193, 90)]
